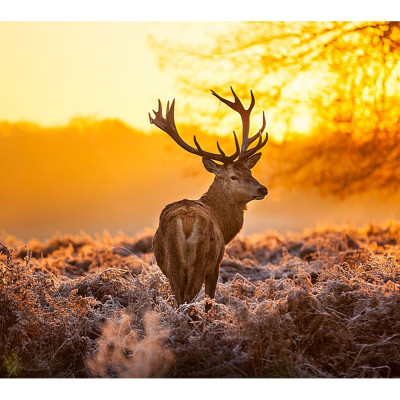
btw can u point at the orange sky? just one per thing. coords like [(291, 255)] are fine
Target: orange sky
[(54, 71)]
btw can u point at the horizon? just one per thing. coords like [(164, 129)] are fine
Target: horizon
[(74, 92), (101, 199)]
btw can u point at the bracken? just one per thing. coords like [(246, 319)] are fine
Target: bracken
[(321, 304)]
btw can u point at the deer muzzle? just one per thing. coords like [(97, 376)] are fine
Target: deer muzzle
[(262, 192)]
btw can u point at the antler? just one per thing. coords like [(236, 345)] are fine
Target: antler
[(168, 125), (237, 105)]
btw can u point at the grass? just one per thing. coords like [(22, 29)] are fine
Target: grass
[(320, 304)]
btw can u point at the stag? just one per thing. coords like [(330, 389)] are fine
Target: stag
[(192, 234)]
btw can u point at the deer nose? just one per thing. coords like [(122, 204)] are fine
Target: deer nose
[(263, 191)]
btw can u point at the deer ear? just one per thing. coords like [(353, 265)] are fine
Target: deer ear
[(252, 161), (211, 166)]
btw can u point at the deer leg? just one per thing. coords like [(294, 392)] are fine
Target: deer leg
[(193, 289), (196, 275), (176, 282), (187, 284), (211, 284)]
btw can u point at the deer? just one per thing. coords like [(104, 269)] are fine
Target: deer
[(190, 240)]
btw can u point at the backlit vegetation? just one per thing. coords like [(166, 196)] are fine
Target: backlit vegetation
[(336, 82), (321, 304)]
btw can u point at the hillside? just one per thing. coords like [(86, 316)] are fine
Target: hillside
[(320, 304)]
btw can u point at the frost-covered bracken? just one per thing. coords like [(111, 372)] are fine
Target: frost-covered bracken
[(319, 304)]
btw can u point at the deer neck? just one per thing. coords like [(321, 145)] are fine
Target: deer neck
[(226, 212)]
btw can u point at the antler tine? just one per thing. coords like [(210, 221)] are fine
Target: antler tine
[(167, 124), (226, 159), (257, 135), (253, 101), (237, 105), (261, 143), (220, 150), (236, 143), (242, 152), (169, 113)]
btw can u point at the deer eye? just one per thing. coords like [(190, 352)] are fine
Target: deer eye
[(234, 178)]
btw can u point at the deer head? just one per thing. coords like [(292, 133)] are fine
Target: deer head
[(234, 174)]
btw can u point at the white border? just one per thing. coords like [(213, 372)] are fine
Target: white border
[(199, 389), (200, 10)]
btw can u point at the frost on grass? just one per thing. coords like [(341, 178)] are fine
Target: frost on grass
[(122, 354), (321, 304)]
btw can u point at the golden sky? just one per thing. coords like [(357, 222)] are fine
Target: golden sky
[(53, 71), (113, 177)]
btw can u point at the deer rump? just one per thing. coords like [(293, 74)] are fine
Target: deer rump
[(188, 247)]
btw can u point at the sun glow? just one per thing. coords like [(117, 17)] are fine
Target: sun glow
[(84, 91), (58, 71), (54, 71), (302, 124)]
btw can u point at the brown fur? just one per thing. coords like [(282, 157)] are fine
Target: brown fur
[(188, 225), (190, 241)]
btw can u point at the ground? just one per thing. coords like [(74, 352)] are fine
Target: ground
[(325, 303)]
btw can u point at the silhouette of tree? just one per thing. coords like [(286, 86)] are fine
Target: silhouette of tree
[(344, 76)]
